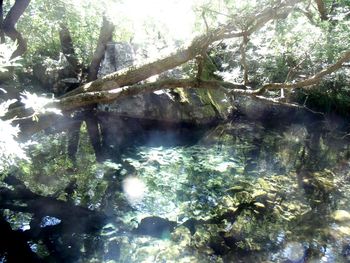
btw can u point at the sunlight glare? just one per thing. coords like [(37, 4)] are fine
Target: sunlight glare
[(173, 16), (134, 189), (38, 103)]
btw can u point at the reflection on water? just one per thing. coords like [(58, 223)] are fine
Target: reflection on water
[(241, 193)]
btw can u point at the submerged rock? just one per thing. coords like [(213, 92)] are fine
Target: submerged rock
[(294, 252), (341, 216), (155, 226)]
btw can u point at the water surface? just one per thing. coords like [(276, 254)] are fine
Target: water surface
[(240, 192)]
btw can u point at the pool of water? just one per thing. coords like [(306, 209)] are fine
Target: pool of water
[(240, 192)]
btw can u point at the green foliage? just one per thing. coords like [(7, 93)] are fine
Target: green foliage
[(40, 24), (10, 149), (330, 96), (5, 58)]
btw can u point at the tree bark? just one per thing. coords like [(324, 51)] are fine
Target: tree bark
[(106, 34), (89, 117), (9, 29), (322, 9), (243, 48), (68, 48)]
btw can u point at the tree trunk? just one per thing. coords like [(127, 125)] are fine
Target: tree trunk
[(322, 9), (106, 34), (88, 115), (68, 48), (9, 29)]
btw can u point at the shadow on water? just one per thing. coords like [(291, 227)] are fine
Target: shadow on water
[(235, 192)]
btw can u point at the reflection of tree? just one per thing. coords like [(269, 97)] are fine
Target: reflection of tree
[(88, 115), (62, 240), (319, 192), (15, 244)]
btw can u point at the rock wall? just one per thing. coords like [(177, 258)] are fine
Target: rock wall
[(148, 116), (194, 106), (118, 55)]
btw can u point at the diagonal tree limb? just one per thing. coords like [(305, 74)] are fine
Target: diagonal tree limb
[(310, 81), (68, 48), (132, 76), (105, 36), (114, 94)]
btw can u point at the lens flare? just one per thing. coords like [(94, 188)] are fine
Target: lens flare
[(134, 189)]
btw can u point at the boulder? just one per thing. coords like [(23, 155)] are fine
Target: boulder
[(118, 55), (57, 76), (148, 117), (195, 106)]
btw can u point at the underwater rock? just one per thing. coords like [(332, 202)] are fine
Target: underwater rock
[(341, 216), (181, 236), (321, 183), (346, 252), (56, 76), (113, 252), (155, 226), (217, 244), (294, 252), (271, 113)]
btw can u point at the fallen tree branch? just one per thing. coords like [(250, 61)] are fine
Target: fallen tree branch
[(87, 98), (120, 84), (75, 101), (200, 43)]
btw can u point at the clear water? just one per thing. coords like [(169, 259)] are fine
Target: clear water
[(256, 194)]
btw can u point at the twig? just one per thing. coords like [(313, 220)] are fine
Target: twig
[(205, 22)]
